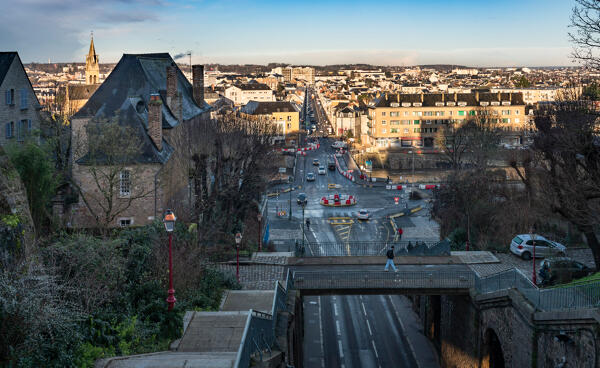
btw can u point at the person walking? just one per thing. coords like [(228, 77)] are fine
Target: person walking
[(400, 232), (390, 260)]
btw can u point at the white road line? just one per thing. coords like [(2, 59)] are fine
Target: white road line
[(375, 349), (335, 310), (337, 328), (341, 350), (363, 307), (369, 327), (321, 336)]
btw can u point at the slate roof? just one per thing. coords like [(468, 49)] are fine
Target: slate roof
[(6, 59), (134, 114), (430, 99), (81, 91), (268, 107), (139, 75), (253, 87)]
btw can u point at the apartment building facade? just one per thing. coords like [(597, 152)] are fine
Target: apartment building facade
[(414, 120), (243, 93), (284, 114)]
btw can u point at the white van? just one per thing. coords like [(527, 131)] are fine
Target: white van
[(338, 144)]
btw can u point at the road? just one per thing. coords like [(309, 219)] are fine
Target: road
[(351, 330)]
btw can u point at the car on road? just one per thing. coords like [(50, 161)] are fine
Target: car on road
[(362, 214), (561, 269), (301, 199), (310, 177), (322, 170), (522, 246), (316, 162), (331, 165)]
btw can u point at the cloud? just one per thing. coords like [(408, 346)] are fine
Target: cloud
[(59, 29)]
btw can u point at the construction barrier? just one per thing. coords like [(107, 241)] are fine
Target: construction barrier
[(338, 200), (427, 186), (396, 187), (345, 174), (333, 186)]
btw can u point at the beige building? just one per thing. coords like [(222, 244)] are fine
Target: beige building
[(532, 96), (283, 113), (74, 96), (306, 74), (414, 120), (243, 93)]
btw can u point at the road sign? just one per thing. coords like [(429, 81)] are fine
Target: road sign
[(396, 200), (282, 170)]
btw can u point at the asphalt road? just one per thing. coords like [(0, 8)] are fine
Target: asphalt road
[(348, 330)]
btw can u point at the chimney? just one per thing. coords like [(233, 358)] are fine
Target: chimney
[(443, 97), (173, 95), (155, 120), (499, 96), (198, 80), (477, 96), (455, 97), (422, 97)]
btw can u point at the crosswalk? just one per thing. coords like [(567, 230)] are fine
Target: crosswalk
[(342, 226)]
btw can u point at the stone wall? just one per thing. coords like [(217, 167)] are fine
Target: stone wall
[(480, 332)]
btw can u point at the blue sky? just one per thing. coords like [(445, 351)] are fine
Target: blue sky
[(469, 32)]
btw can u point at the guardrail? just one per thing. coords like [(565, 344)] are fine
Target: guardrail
[(366, 248)]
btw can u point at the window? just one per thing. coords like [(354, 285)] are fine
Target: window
[(427, 121), (384, 122), (516, 112), (405, 130), (394, 130), (125, 222), (405, 122), (416, 122), (461, 113), (505, 112), (428, 113), (394, 113), (23, 94), (506, 120), (472, 112), (10, 130), (417, 113), (383, 131), (289, 118), (406, 113), (394, 122), (21, 126), (383, 113), (124, 183), (439, 113), (517, 120), (10, 96)]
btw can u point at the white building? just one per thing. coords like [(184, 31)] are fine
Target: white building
[(241, 94)]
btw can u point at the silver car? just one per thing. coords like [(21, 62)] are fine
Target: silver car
[(522, 246)]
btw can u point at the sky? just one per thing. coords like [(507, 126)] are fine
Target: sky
[(401, 32)]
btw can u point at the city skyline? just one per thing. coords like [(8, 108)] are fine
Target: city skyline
[(463, 32)]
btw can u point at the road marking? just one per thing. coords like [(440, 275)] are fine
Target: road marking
[(335, 310), (375, 349), (321, 336), (337, 327), (340, 349), (369, 327), (363, 308)]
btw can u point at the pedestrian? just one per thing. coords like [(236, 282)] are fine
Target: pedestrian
[(400, 232), (390, 260)]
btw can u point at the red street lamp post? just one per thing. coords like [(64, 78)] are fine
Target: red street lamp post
[(238, 240), (169, 221), (259, 217)]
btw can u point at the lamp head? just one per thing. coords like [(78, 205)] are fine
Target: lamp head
[(169, 221), (238, 239)]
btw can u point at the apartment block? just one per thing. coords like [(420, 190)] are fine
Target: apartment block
[(243, 93), (414, 120)]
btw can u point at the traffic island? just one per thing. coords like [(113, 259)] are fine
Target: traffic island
[(338, 200)]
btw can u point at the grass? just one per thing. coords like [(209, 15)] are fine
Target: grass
[(595, 277)]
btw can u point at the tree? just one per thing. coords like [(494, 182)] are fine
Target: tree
[(452, 142), (585, 20), (109, 157), (568, 170), (522, 82)]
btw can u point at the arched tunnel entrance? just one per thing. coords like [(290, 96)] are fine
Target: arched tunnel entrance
[(493, 357)]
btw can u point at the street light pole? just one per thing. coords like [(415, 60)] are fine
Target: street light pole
[(259, 216), (169, 221), (238, 240), (534, 277)]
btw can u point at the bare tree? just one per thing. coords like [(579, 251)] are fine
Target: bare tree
[(109, 157), (453, 143), (585, 20)]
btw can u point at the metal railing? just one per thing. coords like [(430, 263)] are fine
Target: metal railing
[(570, 297), (340, 280), (260, 331), (371, 248), (258, 337)]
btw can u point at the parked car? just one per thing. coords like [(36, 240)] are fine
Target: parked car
[(322, 170), (301, 199), (316, 162), (522, 246), (561, 269), (331, 165), (310, 177), (362, 214)]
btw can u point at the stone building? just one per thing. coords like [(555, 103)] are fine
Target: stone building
[(20, 110), (149, 94)]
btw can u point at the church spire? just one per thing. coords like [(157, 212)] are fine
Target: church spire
[(92, 69)]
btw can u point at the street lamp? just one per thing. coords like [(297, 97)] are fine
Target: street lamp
[(259, 217), (169, 221), (238, 240)]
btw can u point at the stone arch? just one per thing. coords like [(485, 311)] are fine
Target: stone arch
[(493, 356)]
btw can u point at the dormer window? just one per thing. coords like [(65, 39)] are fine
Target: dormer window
[(439, 103), (484, 103), (495, 103), (405, 104), (462, 103), (395, 104), (505, 103), (417, 104), (450, 103)]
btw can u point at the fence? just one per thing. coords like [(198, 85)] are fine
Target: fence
[(260, 331), (369, 248)]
